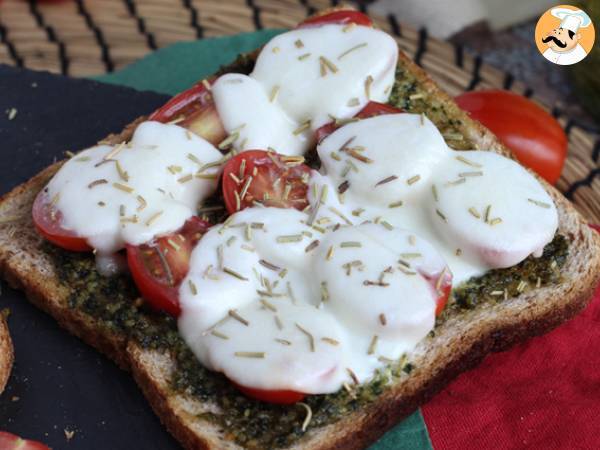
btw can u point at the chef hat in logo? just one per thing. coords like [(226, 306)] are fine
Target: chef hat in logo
[(571, 19)]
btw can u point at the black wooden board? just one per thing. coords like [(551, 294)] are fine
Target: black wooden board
[(58, 382)]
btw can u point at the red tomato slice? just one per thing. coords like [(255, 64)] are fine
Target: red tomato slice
[(442, 288), (9, 441), (195, 110), (371, 109), (159, 267), (265, 177), (535, 137), (339, 17), (47, 219), (280, 397)]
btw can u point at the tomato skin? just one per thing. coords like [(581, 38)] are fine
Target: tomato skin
[(197, 108), (47, 222), (269, 167), (536, 138), (343, 17), (442, 291), (9, 441), (160, 290), (371, 109), (281, 397)]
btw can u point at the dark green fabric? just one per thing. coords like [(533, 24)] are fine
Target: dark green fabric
[(175, 68)]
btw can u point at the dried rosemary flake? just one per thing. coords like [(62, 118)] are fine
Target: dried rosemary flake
[(477, 173), (259, 355), (123, 187), (289, 238), (314, 244), (228, 141), (268, 305), (115, 151), (328, 64), (194, 159), (350, 50), (238, 201), (348, 27), (121, 210), (468, 162), (340, 215), (97, 183), (382, 319), (538, 203), (311, 339), (235, 274), (458, 252), (358, 211), (440, 280), (174, 169), (244, 190), (330, 341), (82, 159), (219, 334), (387, 225), (324, 291), (373, 345), (434, 192), (193, 288), (329, 253), (230, 241), (234, 314), (453, 136), (521, 286), (290, 292), (486, 215), (174, 244), (303, 57), (412, 239), (274, 93), (350, 244), (474, 212), (495, 221), (441, 215), (269, 265), (185, 178), (343, 186), (368, 82), (303, 127), (278, 322), (416, 96), (153, 218), (335, 156), (496, 293), (352, 375), (12, 113), (413, 180), (386, 180), (298, 43), (456, 182), (283, 341)]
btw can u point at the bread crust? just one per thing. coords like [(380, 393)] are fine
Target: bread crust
[(515, 320), (6, 353)]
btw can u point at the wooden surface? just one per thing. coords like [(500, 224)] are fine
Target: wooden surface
[(86, 37)]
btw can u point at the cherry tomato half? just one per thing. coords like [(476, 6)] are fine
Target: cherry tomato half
[(371, 109), (280, 397), (47, 220), (9, 441), (265, 177), (339, 17), (536, 138), (196, 111), (442, 288), (159, 267)]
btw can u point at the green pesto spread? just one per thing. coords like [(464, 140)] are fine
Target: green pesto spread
[(115, 303)]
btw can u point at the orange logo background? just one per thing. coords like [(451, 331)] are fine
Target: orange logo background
[(548, 22)]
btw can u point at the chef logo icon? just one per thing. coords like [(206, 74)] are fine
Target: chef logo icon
[(564, 35)]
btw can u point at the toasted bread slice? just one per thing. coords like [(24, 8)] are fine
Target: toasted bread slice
[(459, 343), (6, 353)]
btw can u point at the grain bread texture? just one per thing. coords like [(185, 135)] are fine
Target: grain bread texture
[(6, 353), (459, 343)]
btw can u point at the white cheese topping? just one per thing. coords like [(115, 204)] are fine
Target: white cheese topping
[(398, 169), (132, 192), (306, 77), (277, 304)]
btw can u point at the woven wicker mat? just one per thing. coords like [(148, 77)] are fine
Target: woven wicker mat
[(85, 37)]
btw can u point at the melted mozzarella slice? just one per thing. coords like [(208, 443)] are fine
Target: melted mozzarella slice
[(384, 159), (369, 289), (493, 208), (256, 122), (131, 193), (327, 70), (266, 302)]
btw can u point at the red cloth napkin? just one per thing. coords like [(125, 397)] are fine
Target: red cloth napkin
[(542, 394)]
